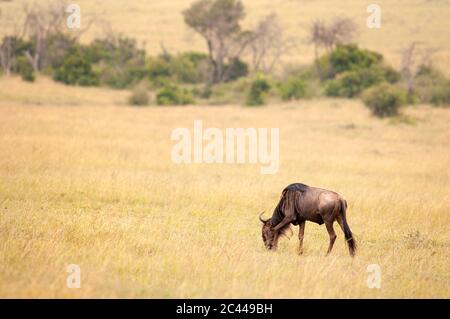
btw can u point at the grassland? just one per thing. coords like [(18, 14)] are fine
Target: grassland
[(153, 22), (91, 183)]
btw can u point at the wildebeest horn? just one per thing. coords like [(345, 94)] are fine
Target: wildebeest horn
[(262, 220)]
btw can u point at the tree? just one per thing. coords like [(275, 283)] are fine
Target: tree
[(328, 36), (269, 44), (43, 22), (413, 57), (340, 31), (218, 22), (12, 48), (7, 54)]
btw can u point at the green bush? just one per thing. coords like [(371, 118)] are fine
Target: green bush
[(349, 70), (139, 96), (189, 67), (76, 70), (173, 95), (352, 83), (390, 74), (120, 77), (235, 70), (227, 93), (206, 92), (323, 68), (384, 99), (57, 46), (441, 94), (431, 86), (348, 85), (333, 88), (17, 47), (349, 58), (158, 70), (294, 88), (24, 68), (119, 61), (258, 89), (430, 72)]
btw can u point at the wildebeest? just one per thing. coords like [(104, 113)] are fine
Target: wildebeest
[(300, 203)]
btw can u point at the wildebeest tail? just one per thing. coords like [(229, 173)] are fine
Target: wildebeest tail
[(347, 232)]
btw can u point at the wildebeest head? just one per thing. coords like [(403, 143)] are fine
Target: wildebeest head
[(268, 234)]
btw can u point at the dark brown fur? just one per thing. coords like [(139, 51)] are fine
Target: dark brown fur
[(300, 203)]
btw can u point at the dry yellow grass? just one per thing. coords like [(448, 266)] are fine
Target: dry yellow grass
[(94, 185), (44, 91), (151, 22)]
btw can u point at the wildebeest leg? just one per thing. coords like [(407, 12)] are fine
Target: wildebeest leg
[(332, 235), (301, 233)]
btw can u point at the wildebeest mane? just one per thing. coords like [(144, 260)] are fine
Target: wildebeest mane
[(296, 187), (289, 197)]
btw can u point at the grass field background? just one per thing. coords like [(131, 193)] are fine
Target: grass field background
[(153, 22), (87, 180), (93, 184)]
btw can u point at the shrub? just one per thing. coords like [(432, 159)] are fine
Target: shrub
[(139, 96), (352, 83), (350, 70), (441, 94), (350, 57), (226, 93), (235, 70), (384, 99), (323, 68), (348, 84), (57, 46), (15, 49), (190, 67), (173, 95), (158, 68), (294, 88), (119, 61), (390, 75), (205, 92), (258, 88), (76, 70), (117, 50), (18, 45), (333, 88), (431, 86), (120, 77), (24, 68), (430, 72)]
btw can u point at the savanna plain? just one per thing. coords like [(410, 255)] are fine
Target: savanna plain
[(86, 179), (94, 185)]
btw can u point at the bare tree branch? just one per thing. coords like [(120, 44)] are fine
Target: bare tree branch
[(413, 57)]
